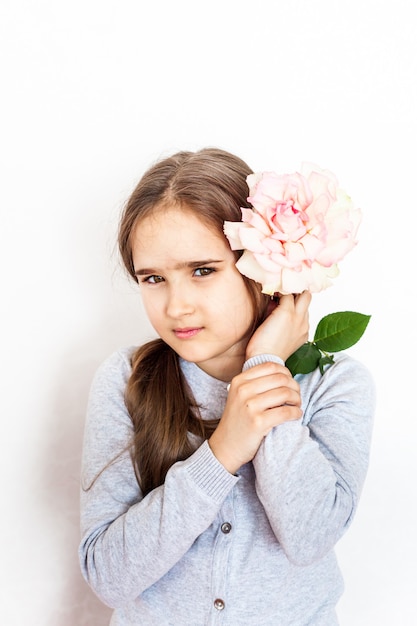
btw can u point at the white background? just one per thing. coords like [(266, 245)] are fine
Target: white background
[(92, 92)]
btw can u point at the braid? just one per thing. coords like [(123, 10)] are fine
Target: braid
[(163, 412)]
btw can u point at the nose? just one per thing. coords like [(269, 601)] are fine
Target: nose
[(180, 301)]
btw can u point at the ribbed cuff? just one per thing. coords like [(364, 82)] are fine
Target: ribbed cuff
[(261, 358), (209, 474)]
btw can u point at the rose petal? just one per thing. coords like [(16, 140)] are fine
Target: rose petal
[(252, 240), (248, 266), (232, 232), (255, 220)]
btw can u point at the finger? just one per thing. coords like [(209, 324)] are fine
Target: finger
[(302, 300), (278, 415), (286, 301), (262, 369), (281, 414), (273, 389), (272, 399)]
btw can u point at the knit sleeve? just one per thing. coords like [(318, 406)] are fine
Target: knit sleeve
[(129, 541), (262, 358), (310, 473)]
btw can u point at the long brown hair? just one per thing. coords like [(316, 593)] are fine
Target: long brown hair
[(211, 183)]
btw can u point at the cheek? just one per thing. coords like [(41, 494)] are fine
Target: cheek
[(240, 308), (231, 296), (152, 310)]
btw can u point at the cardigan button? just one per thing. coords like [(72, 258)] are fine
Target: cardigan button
[(219, 604), (226, 528)]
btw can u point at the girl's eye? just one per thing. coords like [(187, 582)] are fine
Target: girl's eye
[(204, 271), (153, 279)]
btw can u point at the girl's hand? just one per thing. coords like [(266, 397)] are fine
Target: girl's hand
[(284, 330), (262, 397)]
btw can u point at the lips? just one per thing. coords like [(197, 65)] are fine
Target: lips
[(186, 333)]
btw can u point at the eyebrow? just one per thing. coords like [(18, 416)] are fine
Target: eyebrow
[(185, 264)]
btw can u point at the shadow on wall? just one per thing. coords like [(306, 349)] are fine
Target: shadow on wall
[(76, 604)]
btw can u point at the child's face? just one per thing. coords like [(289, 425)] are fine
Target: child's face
[(193, 294)]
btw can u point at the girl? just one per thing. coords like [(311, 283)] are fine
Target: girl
[(215, 485)]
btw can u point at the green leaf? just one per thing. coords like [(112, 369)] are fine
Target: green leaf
[(304, 360), (326, 359), (339, 331)]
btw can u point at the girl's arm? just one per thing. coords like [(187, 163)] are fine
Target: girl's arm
[(265, 395), (130, 542), (309, 473)]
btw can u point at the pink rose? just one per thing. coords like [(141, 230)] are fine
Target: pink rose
[(300, 227)]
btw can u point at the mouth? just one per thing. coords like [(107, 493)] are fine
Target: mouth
[(186, 333)]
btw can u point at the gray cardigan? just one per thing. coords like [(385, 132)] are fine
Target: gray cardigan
[(209, 547)]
